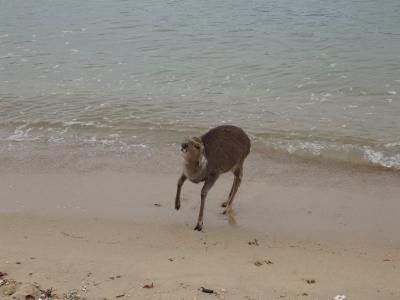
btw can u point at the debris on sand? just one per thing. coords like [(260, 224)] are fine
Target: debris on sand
[(72, 295), (207, 291), (12, 289), (3, 281), (260, 263), (340, 297), (47, 294), (148, 286), (157, 204), (310, 281), (18, 290), (253, 242)]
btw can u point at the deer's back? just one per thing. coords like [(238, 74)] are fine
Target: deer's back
[(225, 147)]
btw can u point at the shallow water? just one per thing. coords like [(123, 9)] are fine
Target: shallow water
[(309, 78)]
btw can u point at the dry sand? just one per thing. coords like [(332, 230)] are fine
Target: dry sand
[(107, 234)]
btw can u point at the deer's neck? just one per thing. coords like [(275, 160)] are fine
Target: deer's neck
[(195, 169)]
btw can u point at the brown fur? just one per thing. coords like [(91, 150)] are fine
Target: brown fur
[(218, 151)]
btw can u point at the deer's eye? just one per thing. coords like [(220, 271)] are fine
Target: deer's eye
[(197, 147)]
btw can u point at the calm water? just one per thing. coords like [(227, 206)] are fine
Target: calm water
[(310, 78)]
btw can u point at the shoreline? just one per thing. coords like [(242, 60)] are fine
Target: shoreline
[(38, 157), (163, 143), (347, 207)]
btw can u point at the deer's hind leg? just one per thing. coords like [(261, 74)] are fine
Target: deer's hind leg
[(238, 173)]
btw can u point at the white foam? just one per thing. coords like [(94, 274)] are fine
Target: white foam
[(379, 158), (21, 135), (141, 145), (106, 142), (73, 122), (389, 158), (57, 140), (90, 140), (392, 145)]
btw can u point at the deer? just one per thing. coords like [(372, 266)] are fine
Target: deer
[(220, 150)]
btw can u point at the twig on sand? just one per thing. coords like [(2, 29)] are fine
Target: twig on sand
[(71, 235), (207, 291)]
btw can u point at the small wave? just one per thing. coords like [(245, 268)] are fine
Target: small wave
[(56, 124), (386, 156), (113, 141), (392, 145), (71, 123), (21, 134), (352, 150), (381, 159)]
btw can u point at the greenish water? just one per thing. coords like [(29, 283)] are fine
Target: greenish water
[(310, 78)]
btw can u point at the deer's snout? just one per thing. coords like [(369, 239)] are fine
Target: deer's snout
[(184, 146)]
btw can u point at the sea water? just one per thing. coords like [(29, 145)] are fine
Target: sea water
[(307, 78)]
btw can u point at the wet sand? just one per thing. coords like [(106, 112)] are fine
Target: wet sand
[(109, 233), (352, 208)]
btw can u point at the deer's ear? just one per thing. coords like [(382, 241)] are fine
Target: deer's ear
[(198, 143), (197, 140)]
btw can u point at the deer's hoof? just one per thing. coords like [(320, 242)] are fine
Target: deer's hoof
[(198, 227), (227, 211)]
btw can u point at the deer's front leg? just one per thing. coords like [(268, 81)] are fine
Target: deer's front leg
[(206, 187), (178, 192)]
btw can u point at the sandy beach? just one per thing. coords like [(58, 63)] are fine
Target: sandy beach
[(107, 234)]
